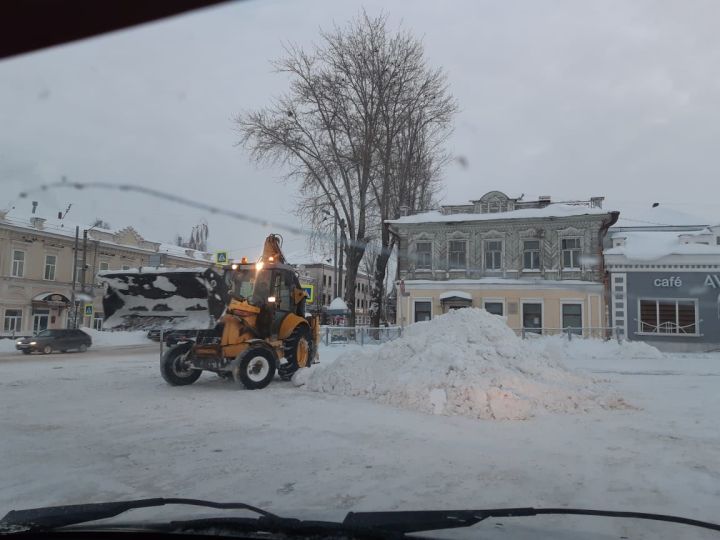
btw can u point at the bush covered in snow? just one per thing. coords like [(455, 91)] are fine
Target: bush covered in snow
[(466, 362)]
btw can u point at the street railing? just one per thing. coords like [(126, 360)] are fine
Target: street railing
[(360, 335), (595, 332)]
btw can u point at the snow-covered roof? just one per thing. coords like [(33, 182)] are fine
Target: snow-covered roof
[(455, 294), (338, 304), (52, 225), (534, 282), (655, 217), (552, 210), (651, 245)]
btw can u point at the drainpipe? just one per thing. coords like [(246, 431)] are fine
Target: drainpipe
[(604, 275)]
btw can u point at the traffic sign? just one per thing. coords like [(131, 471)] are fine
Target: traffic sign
[(221, 257), (88, 310), (310, 290)]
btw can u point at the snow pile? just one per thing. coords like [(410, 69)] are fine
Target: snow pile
[(466, 362), (559, 347), (117, 339), (7, 345)]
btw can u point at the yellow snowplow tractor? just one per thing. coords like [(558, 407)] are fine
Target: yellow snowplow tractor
[(250, 319)]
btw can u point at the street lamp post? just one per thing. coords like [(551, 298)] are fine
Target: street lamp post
[(335, 288)]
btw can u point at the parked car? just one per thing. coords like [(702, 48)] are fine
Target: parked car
[(48, 341)]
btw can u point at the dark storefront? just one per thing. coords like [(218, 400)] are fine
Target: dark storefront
[(674, 311)]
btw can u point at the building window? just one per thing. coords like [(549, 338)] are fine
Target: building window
[(493, 254), (329, 281), (423, 311), (324, 280), (668, 317), (18, 263), (125, 267), (571, 253), (495, 308), (98, 321), (456, 254), (572, 318), (13, 320), (423, 251), (50, 262), (532, 317), (531, 254)]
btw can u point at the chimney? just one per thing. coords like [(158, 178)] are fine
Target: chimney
[(37, 222), (34, 203), (404, 211)]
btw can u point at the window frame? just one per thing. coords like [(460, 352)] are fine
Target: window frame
[(429, 253), (525, 301), (657, 301), (13, 260), (579, 250), (46, 266), (501, 252), (500, 301), (580, 303), (17, 318), (538, 251), (464, 252), (423, 299)]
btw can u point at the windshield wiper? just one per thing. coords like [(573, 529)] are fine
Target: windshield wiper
[(370, 524), (60, 516), (431, 520)]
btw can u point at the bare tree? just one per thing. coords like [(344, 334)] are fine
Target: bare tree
[(416, 119), (354, 104), (198, 237)]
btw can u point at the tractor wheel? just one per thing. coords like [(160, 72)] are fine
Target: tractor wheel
[(174, 367), (256, 368), (299, 352)]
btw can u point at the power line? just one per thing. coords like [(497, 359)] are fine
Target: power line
[(169, 197)]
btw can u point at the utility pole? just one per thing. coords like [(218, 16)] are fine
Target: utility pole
[(341, 263), (335, 259), (74, 280), (83, 270)]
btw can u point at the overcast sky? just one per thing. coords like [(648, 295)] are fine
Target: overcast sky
[(564, 98)]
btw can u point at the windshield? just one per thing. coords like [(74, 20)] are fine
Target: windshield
[(477, 252)]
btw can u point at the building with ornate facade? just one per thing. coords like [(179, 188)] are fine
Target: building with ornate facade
[(537, 263)]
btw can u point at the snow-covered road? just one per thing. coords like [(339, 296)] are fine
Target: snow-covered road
[(99, 426)]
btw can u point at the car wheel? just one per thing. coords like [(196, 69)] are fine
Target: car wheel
[(47, 349), (82, 348)]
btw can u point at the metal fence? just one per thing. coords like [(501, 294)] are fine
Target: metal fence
[(595, 332), (360, 335)]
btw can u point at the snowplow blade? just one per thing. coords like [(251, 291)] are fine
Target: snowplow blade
[(169, 299)]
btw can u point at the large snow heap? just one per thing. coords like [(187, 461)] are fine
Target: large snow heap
[(466, 362)]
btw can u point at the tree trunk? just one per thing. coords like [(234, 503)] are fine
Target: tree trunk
[(354, 253), (377, 298)]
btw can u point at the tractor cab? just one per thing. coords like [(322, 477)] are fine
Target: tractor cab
[(272, 288)]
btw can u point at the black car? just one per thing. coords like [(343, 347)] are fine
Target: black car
[(48, 341)]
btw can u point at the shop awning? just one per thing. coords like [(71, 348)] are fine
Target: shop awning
[(51, 298), (455, 295)]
